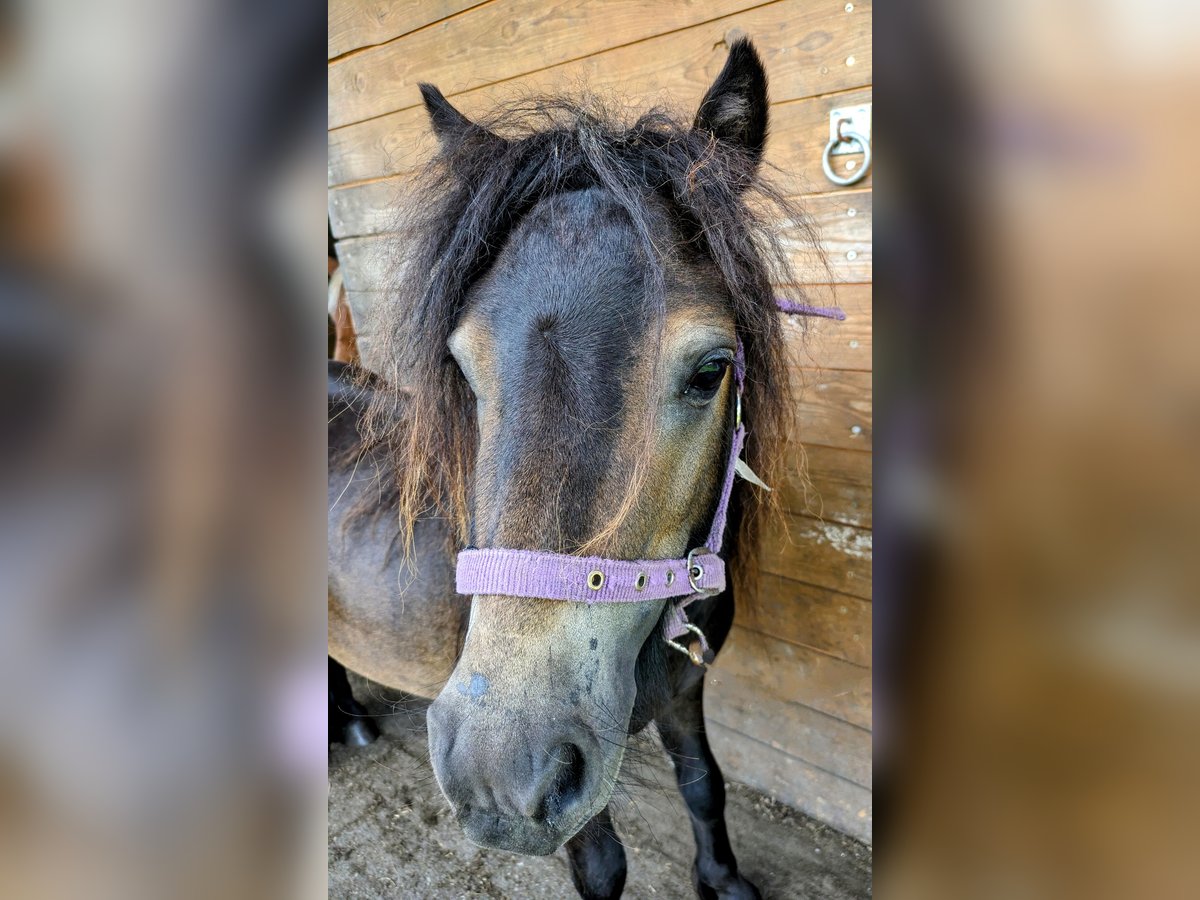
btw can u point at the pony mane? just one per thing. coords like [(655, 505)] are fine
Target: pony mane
[(456, 218)]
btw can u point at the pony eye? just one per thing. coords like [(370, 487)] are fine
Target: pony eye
[(707, 377)]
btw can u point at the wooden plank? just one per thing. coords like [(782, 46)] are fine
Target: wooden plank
[(846, 238), (834, 405), (826, 620), (834, 408), (365, 209), (828, 483), (364, 263), (795, 674), (818, 343), (812, 342), (498, 41), (400, 143), (826, 554), (836, 489), (389, 145), (842, 804), (362, 308), (354, 24), (808, 49), (837, 747), (843, 221)]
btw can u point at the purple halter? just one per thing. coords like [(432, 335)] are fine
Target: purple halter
[(537, 574)]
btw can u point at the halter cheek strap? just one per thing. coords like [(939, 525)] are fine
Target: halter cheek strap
[(538, 574), (597, 579)]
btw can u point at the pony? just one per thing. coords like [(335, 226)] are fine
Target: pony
[(556, 373)]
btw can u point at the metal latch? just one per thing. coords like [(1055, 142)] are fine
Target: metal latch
[(856, 119)]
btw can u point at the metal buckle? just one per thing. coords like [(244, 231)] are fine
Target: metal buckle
[(696, 571)]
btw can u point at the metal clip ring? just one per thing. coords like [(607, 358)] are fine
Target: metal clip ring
[(695, 657), (844, 136)]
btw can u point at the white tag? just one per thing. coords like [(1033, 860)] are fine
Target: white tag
[(747, 473)]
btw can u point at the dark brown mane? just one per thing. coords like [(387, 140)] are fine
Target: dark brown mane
[(460, 211)]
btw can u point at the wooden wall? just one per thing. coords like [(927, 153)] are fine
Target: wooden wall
[(789, 702)]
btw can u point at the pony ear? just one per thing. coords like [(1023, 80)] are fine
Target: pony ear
[(448, 123), (735, 108)]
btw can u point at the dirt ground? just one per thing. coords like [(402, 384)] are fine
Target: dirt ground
[(391, 834)]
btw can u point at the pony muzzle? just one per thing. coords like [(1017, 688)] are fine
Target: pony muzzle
[(517, 780)]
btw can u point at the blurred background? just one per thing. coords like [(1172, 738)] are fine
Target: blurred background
[(1037, 636), (1037, 649), (162, 725)]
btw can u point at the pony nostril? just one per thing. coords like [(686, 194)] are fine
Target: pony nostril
[(569, 781), (565, 785)]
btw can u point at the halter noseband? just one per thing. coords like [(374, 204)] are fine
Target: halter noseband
[(537, 574)]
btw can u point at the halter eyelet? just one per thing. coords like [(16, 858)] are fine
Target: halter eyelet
[(595, 579), (640, 583), (670, 577)]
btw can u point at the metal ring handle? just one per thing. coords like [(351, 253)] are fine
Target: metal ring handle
[(842, 137)]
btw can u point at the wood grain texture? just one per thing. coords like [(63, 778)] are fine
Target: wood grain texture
[(845, 255), (400, 144), (795, 674), (835, 746), (823, 619), (813, 343), (365, 264), (805, 47), (366, 209), (497, 41), (828, 483), (841, 803), (354, 24), (843, 221), (817, 343), (834, 408), (826, 554)]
